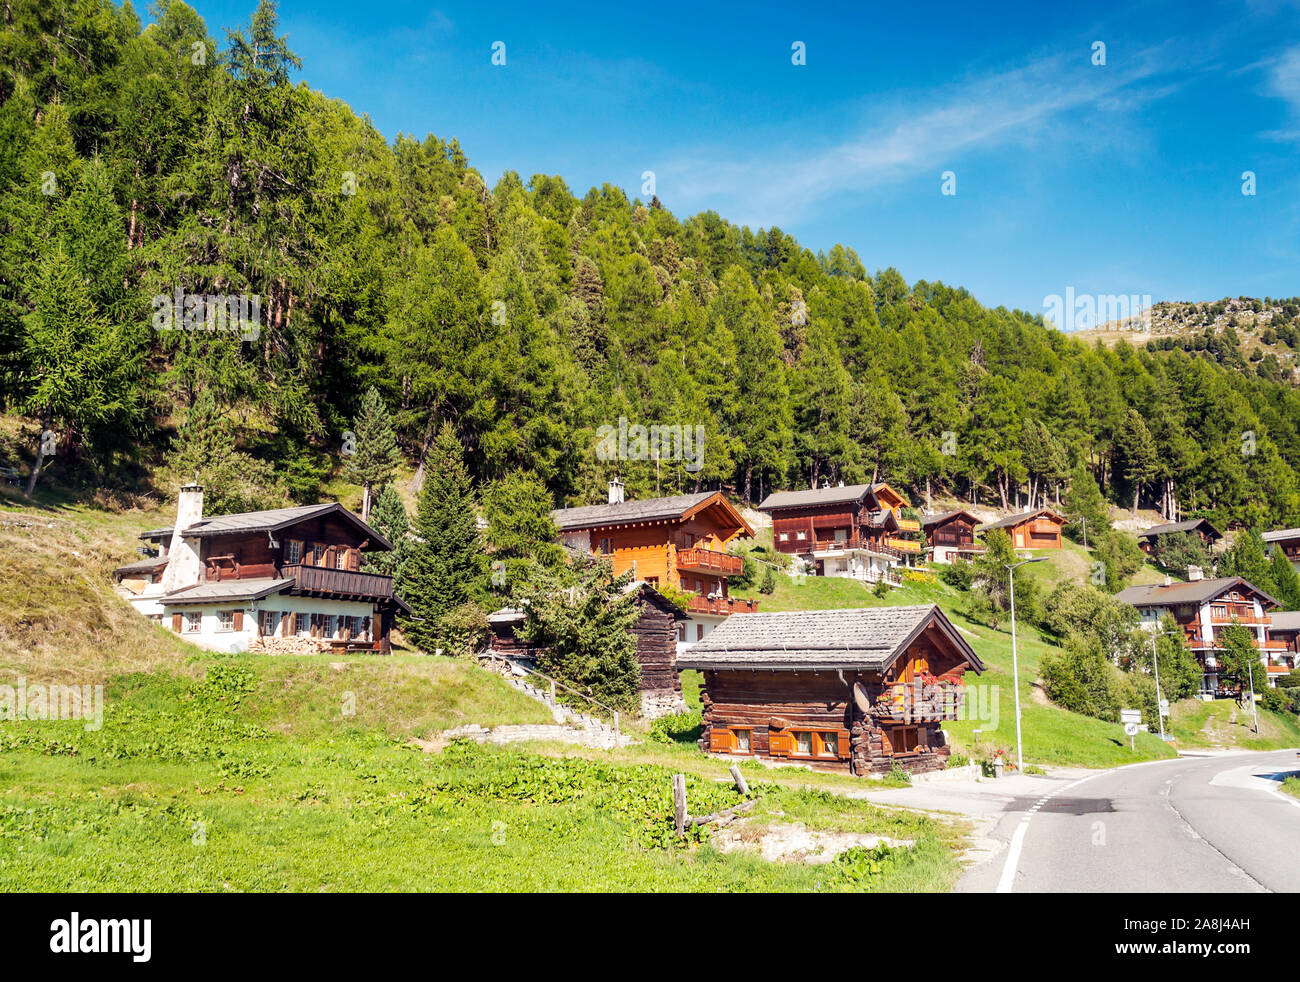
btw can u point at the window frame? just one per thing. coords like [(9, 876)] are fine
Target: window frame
[(192, 622), (226, 621)]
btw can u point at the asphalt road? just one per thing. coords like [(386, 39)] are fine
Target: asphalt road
[(1196, 824)]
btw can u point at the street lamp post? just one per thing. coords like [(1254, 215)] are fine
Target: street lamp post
[(1155, 662), (1015, 664)]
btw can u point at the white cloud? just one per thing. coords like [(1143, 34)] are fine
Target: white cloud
[(1040, 105)]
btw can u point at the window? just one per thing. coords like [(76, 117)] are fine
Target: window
[(225, 620), (318, 553), (803, 743), (681, 631), (341, 559), (607, 547), (193, 621), (303, 624), (688, 540), (830, 744), (699, 632), (293, 551), (785, 536), (801, 536), (904, 739), (815, 743), (266, 622), (741, 741)]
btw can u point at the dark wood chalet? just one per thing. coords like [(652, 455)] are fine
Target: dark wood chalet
[(1286, 541), (950, 535), (1199, 527), (856, 691), (288, 579), (855, 530)]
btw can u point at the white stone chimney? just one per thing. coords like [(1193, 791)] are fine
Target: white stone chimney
[(1195, 573), (616, 491), (183, 554), (1169, 580)]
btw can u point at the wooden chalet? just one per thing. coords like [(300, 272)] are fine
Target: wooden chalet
[(950, 536), (1203, 609), (1286, 541), (1038, 529), (288, 579), (854, 531), (856, 691), (1285, 630), (655, 632), (1199, 527), (678, 541)]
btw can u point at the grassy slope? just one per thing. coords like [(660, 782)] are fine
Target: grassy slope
[(306, 781)]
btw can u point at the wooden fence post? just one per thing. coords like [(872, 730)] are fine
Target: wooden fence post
[(741, 786), (680, 818)]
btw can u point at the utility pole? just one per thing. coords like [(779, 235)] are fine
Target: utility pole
[(1015, 664)]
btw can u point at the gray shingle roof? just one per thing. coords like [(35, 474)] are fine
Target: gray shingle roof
[(1016, 519), (815, 496), (1286, 620), (1192, 592), (226, 590), (645, 510), (268, 521), (939, 519), (1278, 535), (1174, 527), (867, 638)]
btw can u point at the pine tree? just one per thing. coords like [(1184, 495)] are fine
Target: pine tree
[(446, 568), (376, 456), (1286, 581), (389, 519), (1137, 453), (520, 530)]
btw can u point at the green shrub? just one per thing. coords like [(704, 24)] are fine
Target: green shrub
[(677, 728), (958, 760)]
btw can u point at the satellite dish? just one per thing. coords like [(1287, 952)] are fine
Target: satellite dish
[(861, 698)]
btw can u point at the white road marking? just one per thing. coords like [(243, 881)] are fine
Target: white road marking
[(1008, 878)]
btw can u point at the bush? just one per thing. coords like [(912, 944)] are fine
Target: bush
[(677, 728), (769, 582), (958, 760), (881, 589), (1081, 680), (959, 574)]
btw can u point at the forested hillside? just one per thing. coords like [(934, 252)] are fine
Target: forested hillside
[(142, 162)]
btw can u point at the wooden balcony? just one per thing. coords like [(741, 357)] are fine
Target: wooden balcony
[(903, 545), (909, 525), (699, 560), (918, 702), (1248, 620), (840, 545), (322, 581), (723, 606)]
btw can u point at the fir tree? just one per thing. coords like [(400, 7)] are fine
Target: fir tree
[(446, 569), (375, 457), (389, 519)]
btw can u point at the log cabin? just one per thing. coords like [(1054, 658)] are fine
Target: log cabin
[(855, 531), (284, 580), (855, 691), (950, 536), (655, 633), (1039, 529), (1203, 609), (1200, 527), (678, 541), (1286, 541)]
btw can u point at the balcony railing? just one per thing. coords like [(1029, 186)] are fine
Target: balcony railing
[(838, 545), (909, 525), (918, 702), (324, 581), (722, 605), (1246, 619), (903, 545), (700, 560)]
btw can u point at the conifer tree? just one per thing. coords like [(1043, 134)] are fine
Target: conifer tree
[(376, 456), (446, 568), (389, 519)]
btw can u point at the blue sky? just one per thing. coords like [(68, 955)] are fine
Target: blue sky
[(1117, 179)]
